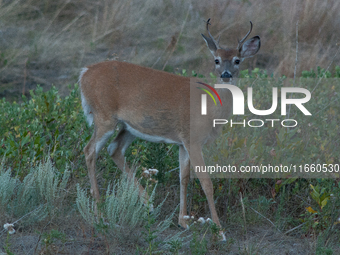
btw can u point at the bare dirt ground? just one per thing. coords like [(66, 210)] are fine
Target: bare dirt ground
[(82, 240)]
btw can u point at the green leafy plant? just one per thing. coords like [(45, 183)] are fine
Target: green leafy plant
[(49, 239), (198, 246), (7, 246), (318, 219)]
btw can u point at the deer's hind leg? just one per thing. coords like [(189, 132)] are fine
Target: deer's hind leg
[(117, 151)]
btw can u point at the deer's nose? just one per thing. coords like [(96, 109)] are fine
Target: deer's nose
[(226, 75)]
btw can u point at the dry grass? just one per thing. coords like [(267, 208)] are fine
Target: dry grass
[(45, 42)]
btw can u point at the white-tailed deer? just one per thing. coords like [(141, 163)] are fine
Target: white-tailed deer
[(155, 106)]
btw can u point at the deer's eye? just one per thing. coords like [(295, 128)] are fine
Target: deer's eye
[(237, 61), (217, 61)]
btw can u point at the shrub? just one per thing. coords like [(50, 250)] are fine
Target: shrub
[(41, 192)]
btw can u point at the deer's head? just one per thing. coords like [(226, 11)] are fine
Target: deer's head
[(227, 61)]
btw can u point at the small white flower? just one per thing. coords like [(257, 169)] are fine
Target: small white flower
[(186, 217), (201, 220), (339, 219), (208, 220), (153, 171), (146, 172), (9, 228), (192, 217), (7, 225)]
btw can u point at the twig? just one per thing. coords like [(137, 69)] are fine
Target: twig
[(25, 76), (266, 219), (28, 213), (244, 215), (296, 60), (173, 169), (24, 216), (103, 35), (296, 50), (254, 81), (294, 228), (36, 246), (56, 15), (159, 58), (67, 27), (179, 36)]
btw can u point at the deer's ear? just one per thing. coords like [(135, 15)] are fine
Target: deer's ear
[(250, 47), (211, 45)]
